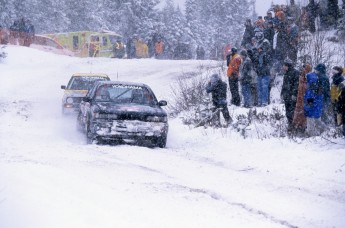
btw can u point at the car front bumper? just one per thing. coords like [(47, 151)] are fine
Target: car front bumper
[(128, 129)]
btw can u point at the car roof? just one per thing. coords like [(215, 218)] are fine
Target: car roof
[(90, 75), (122, 83)]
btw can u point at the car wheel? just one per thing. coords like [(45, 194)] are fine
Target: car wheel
[(161, 142)]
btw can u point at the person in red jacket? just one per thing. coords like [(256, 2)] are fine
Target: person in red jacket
[(233, 74)]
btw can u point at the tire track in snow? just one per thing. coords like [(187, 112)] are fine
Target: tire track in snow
[(218, 197)]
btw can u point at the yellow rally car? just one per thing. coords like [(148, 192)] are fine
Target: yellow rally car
[(77, 88)]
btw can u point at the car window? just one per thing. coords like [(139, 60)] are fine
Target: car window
[(83, 83), (124, 94)]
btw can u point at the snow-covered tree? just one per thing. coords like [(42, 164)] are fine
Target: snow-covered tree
[(173, 30)]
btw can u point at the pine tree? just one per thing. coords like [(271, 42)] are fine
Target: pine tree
[(173, 30), (332, 12)]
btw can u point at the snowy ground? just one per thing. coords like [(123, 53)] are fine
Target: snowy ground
[(208, 178)]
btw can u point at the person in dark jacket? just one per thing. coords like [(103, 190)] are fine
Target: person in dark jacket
[(289, 90), (338, 96), (327, 116), (341, 107), (279, 47), (246, 79), (130, 48), (248, 33), (252, 53), (218, 90), (263, 79), (292, 39), (269, 32)]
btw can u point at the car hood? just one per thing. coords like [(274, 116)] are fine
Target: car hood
[(131, 109), (75, 93)]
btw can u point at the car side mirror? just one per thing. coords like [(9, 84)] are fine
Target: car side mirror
[(86, 99), (162, 103), (63, 87)]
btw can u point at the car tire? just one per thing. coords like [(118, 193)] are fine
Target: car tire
[(161, 142)]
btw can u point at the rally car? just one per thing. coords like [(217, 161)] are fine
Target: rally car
[(123, 111), (77, 88)]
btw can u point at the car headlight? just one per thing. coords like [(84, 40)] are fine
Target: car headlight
[(69, 100), (157, 119)]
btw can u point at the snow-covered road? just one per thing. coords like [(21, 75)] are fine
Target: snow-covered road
[(49, 177)]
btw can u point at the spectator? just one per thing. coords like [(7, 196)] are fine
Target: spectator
[(269, 17), (159, 49), (299, 119), (131, 48), (263, 72), (218, 90), (233, 74), (279, 15), (22, 31), (246, 79), (248, 33), (30, 33), (279, 47), (118, 49), (269, 32), (289, 91), (338, 97), (14, 32), (326, 116), (259, 23), (293, 39), (253, 86), (313, 104), (304, 19), (293, 10)]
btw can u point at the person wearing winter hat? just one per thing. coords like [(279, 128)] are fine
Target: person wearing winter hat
[(233, 74), (338, 96), (218, 89), (313, 105), (327, 116), (289, 91), (263, 78)]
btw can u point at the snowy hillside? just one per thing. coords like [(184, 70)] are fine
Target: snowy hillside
[(49, 176)]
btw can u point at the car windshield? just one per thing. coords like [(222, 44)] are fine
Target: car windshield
[(124, 94), (83, 83)]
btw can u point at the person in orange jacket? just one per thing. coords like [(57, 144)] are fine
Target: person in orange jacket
[(233, 74)]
